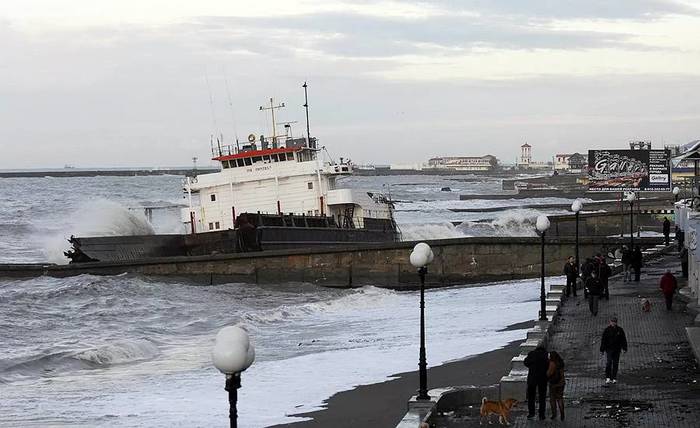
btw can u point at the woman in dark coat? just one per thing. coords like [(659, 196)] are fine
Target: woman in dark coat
[(637, 262), (555, 377)]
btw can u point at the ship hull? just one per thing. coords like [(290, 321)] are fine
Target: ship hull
[(129, 248)]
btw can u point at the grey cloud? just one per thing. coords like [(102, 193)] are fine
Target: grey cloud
[(355, 35), (566, 9)]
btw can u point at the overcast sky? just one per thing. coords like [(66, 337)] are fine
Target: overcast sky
[(124, 83)]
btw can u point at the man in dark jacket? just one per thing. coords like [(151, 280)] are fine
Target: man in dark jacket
[(604, 273), (637, 258), (593, 290), (668, 285), (571, 272), (627, 263), (684, 261), (537, 363), (667, 230), (612, 343), (586, 269)]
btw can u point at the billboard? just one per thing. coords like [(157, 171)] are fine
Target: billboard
[(629, 170)]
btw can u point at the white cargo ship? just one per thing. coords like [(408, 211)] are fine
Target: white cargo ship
[(271, 193)]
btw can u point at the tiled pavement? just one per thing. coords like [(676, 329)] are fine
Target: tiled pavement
[(658, 378)]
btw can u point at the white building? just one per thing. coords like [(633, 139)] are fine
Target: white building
[(561, 161), (525, 160), (465, 163)]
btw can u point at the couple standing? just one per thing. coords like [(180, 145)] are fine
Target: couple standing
[(544, 369)]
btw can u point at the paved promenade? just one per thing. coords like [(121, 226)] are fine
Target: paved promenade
[(658, 381), (658, 378)]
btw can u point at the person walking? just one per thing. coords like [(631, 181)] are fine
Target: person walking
[(637, 260), (587, 268), (612, 344), (604, 273), (571, 272), (593, 288), (555, 376), (668, 286), (537, 364), (684, 261), (627, 263), (667, 230)]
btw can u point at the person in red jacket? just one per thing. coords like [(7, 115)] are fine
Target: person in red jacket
[(668, 285)]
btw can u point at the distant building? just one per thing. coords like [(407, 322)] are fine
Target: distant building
[(578, 163), (574, 162), (407, 166), (525, 156), (525, 161), (561, 161), (465, 163)]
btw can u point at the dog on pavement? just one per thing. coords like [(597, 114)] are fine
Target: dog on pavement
[(646, 305), (500, 408)]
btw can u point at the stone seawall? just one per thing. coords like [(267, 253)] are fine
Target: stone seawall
[(457, 261)]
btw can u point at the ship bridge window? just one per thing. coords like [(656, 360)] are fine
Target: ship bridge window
[(266, 158), (310, 185), (247, 161), (240, 162), (257, 159), (213, 197), (224, 164)]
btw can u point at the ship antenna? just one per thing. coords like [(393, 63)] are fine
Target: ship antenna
[(230, 104), (306, 107), (272, 109), (211, 103)]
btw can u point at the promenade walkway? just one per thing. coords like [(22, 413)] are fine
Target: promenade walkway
[(658, 381), (658, 378)]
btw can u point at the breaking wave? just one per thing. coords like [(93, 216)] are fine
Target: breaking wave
[(418, 232), (100, 217), (364, 297), (519, 222), (119, 352)]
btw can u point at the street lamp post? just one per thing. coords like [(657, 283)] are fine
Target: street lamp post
[(676, 191), (420, 258), (233, 353), (576, 208), (631, 196), (542, 226)]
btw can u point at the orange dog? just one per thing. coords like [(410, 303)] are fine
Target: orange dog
[(500, 408)]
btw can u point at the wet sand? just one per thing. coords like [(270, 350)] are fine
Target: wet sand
[(384, 404)]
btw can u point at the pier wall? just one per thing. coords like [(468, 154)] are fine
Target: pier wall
[(457, 261)]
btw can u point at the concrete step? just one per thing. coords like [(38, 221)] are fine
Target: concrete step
[(555, 293), (557, 287), (538, 332), (517, 363), (514, 385), (528, 345), (552, 301)]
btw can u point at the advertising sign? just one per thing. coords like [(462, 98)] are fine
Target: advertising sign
[(629, 170)]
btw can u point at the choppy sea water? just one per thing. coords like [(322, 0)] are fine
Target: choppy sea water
[(134, 351)]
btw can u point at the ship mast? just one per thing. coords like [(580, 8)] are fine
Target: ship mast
[(306, 107), (272, 109)]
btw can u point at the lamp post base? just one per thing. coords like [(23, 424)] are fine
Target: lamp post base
[(233, 382)]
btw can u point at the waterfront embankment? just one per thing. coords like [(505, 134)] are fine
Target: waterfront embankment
[(658, 378), (457, 261)]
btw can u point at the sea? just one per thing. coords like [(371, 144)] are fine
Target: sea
[(134, 351)]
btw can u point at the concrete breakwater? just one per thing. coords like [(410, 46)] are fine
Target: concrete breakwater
[(457, 261)]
